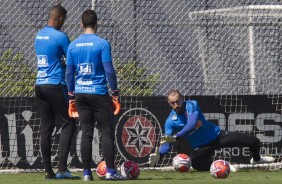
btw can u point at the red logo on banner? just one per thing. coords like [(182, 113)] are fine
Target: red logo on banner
[(138, 136)]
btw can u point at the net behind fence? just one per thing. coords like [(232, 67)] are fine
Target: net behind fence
[(227, 50)]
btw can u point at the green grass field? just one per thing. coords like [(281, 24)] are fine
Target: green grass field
[(158, 177)]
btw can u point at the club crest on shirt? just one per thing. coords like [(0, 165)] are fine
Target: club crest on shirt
[(173, 117)]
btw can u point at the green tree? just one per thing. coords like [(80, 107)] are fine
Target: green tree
[(16, 78), (134, 80)]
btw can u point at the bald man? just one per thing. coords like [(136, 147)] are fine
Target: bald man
[(51, 92), (187, 121)]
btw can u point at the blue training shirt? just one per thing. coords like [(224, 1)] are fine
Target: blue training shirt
[(87, 54), (50, 45), (205, 132)]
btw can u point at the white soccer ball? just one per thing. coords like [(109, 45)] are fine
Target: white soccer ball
[(181, 163), (101, 170), (130, 170), (220, 169)]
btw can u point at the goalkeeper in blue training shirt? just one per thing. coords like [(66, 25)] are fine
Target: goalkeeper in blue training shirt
[(50, 46), (89, 58), (205, 137)]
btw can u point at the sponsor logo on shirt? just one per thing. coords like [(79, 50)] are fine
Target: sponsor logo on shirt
[(42, 61), (41, 74), (85, 68), (42, 37), (84, 44), (84, 82), (89, 89), (42, 80)]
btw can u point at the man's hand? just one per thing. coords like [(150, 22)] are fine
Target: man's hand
[(72, 109), (116, 105), (168, 139), (154, 157)]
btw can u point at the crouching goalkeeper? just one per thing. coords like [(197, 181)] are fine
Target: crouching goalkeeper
[(205, 137)]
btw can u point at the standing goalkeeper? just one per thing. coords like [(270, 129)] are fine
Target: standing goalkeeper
[(89, 57), (205, 137), (51, 45)]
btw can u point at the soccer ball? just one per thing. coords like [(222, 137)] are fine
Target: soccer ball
[(181, 163), (220, 169), (130, 170), (101, 170)]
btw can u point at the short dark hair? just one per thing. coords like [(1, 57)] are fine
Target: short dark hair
[(173, 92), (89, 18), (58, 10)]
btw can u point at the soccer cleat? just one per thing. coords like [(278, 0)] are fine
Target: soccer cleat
[(114, 176), (87, 175), (51, 176), (263, 160), (67, 175), (87, 178), (233, 168)]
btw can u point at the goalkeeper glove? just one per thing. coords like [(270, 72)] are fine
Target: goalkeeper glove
[(116, 105), (168, 139), (72, 107), (115, 102), (154, 157)]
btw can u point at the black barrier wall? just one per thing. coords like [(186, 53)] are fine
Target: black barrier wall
[(138, 129)]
